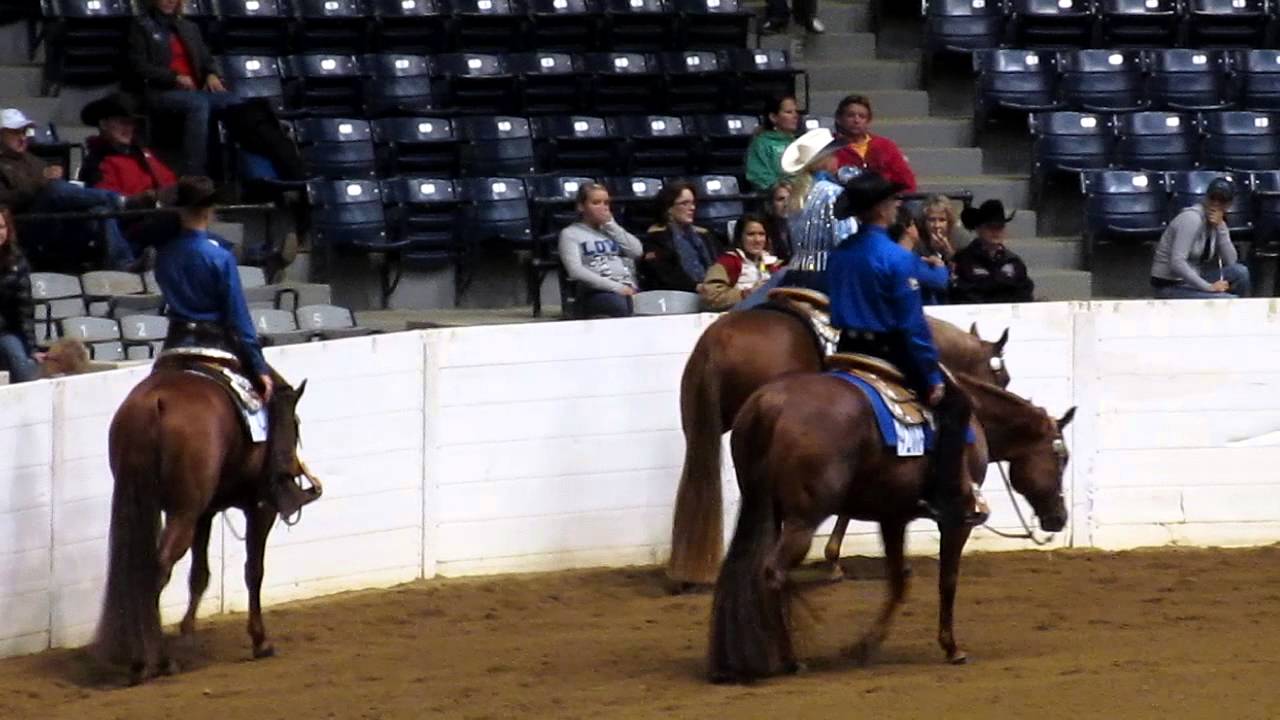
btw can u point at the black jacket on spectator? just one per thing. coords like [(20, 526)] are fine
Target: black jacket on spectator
[(149, 54), (17, 312), (980, 277), (660, 267)]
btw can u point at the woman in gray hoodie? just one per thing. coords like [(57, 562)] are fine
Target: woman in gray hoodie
[(598, 253)]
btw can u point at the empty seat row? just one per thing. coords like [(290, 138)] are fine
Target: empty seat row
[(965, 25), (1120, 80), (1125, 205), (532, 83), (651, 145)]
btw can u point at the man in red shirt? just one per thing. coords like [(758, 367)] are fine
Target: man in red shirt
[(866, 151), (114, 160)]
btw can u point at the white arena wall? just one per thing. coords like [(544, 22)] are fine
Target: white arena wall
[(557, 445)]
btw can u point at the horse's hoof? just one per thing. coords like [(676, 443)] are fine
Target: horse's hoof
[(958, 658), (170, 666), (861, 652), (835, 574), (265, 650)]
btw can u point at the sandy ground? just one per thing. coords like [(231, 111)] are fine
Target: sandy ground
[(1156, 634)]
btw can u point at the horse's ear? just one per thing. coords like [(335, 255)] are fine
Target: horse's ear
[(302, 388), (1004, 338), (973, 330), (1066, 419)]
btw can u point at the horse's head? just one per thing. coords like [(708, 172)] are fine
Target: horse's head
[(285, 427), (1036, 469), (994, 354)]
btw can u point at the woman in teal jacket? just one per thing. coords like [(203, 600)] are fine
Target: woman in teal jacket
[(765, 153)]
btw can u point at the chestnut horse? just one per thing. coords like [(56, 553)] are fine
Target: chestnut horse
[(807, 447), (737, 354), (177, 445)]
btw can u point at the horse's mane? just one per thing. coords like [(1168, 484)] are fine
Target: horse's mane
[(997, 400)]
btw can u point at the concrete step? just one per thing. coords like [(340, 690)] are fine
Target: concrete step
[(1013, 191), (885, 103), (20, 80), (925, 132), (1048, 253), (14, 44), (1061, 284), (862, 75), (1024, 224), (837, 16), (229, 230), (806, 48), (945, 161)]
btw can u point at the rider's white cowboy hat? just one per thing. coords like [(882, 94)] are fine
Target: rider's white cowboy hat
[(804, 149)]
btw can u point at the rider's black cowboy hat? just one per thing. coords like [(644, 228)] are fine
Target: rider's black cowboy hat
[(990, 212), (113, 105), (864, 192)]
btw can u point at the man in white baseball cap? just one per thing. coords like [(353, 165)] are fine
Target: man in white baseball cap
[(14, 119)]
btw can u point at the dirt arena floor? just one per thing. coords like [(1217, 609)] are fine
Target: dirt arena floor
[(1153, 634)]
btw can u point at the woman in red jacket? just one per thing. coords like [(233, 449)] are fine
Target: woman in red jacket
[(866, 151)]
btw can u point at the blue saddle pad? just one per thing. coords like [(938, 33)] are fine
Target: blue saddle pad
[(884, 417)]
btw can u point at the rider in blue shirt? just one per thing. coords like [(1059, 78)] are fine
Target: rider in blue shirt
[(874, 289), (207, 308)]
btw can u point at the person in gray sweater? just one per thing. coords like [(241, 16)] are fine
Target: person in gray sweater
[(598, 253), (1195, 257)]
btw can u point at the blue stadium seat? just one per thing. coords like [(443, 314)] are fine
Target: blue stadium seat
[(696, 82), (336, 148), (495, 209), (1189, 188), (333, 26), (565, 25), (349, 214), (1052, 23), (712, 213), (656, 144), (633, 200), (1123, 205), (253, 27), (255, 76), (412, 26), (549, 82), (576, 144), (1068, 142), (552, 196), (723, 141), (1014, 80), (712, 24), (475, 83), (1156, 141), (203, 13), (1266, 198), (1258, 75), (399, 84), (424, 212), (639, 26), (1239, 140), (623, 82), (83, 42), (962, 26), (1102, 80), (1186, 79), (416, 146), (496, 145), (1139, 23), (324, 84), (761, 76), (1226, 23), (489, 25)]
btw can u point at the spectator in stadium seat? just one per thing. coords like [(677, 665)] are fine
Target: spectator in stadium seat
[(677, 253), (814, 229), (933, 272), (940, 231), (114, 159), (18, 350), (28, 184), (1195, 257), (764, 155), (775, 219), (985, 270), (866, 151), (742, 270), (597, 253)]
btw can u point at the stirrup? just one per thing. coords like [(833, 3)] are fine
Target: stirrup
[(289, 498)]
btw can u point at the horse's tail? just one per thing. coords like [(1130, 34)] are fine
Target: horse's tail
[(129, 629), (750, 637), (697, 531)]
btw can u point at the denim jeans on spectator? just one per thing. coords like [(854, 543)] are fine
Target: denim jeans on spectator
[(63, 196), (1236, 275), (13, 355), (197, 108), (602, 303)]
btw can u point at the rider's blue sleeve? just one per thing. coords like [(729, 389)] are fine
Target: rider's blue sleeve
[(237, 314), (909, 310), (934, 277)]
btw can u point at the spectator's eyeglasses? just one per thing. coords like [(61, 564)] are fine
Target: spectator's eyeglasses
[(683, 203)]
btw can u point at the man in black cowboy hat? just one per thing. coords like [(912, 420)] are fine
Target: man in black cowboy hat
[(875, 301), (114, 159), (985, 270), (207, 307)]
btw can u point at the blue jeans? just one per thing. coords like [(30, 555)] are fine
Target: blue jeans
[(1236, 275), (22, 367), (197, 108), (602, 303), (62, 196), (761, 294)]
